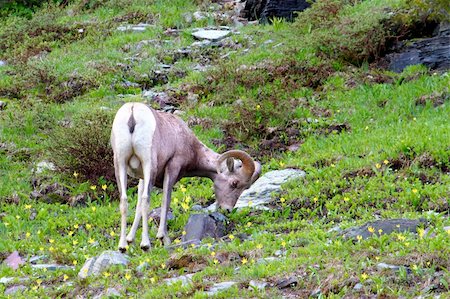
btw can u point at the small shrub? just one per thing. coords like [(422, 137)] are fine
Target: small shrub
[(84, 148)]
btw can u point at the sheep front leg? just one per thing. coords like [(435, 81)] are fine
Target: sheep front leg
[(138, 214), (169, 180)]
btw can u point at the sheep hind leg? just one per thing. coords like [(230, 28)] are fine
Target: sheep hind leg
[(137, 217), (121, 178), (145, 203)]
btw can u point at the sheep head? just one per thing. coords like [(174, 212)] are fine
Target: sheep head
[(230, 182)]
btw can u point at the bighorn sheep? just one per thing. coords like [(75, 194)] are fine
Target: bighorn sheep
[(160, 149)]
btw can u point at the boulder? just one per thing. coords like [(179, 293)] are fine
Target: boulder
[(94, 266), (200, 226), (211, 34), (387, 226), (261, 191), (267, 9), (218, 287)]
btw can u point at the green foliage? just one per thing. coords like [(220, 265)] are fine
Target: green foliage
[(84, 147)]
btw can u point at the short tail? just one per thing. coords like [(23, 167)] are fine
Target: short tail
[(131, 121)]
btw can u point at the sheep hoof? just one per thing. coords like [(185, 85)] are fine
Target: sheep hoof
[(122, 249), (145, 247)]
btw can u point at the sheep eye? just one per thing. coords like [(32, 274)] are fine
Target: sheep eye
[(234, 184)]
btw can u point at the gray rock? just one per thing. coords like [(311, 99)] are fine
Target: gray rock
[(8, 280), (155, 214), (257, 285), (387, 226), (358, 286), (218, 287), (96, 265), (138, 28), (142, 267), (110, 292), (198, 16), (36, 258), (15, 289), (2, 63), (52, 267), (261, 191), (3, 105), (287, 282), (383, 266), (200, 226), (185, 280), (44, 166), (211, 34)]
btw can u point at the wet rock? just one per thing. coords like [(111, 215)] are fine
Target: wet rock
[(433, 52), (387, 226), (52, 267), (184, 279), (287, 282), (13, 290), (200, 226), (257, 285), (3, 105), (211, 34), (14, 260), (267, 9), (96, 265), (218, 287), (261, 191)]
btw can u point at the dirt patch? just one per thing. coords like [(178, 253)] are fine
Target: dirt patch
[(363, 172), (135, 17), (436, 99), (69, 89), (188, 262)]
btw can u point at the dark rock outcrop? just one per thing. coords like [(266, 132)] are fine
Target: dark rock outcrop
[(264, 10)]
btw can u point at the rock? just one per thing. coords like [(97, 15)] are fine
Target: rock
[(187, 17), (317, 293), (211, 34), (383, 266), (7, 280), (44, 166), (52, 193), (358, 286), (387, 226), (14, 260), (36, 258), (14, 289), (267, 9), (287, 282), (142, 267), (52, 267), (96, 265), (198, 16), (137, 28), (2, 63), (184, 279), (200, 226), (218, 287), (261, 191), (110, 292), (155, 214), (3, 105), (257, 285)]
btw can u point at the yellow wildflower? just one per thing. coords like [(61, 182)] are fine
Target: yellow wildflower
[(74, 242), (346, 199), (112, 233), (259, 246), (282, 200), (93, 209), (414, 267), (213, 253), (371, 229), (244, 261), (104, 187), (231, 237), (176, 241), (27, 235), (216, 261), (76, 226), (364, 276), (93, 187), (359, 237), (163, 266), (401, 237), (27, 207), (421, 232), (386, 162), (51, 241), (75, 174), (378, 165), (153, 280), (183, 189), (91, 241), (249, 224), (17, 217), (283, 243), (88, 226), (74, 262), (65, 277), (127, 276), (183, 233), (414, 190), (106, 274), (380, 231)]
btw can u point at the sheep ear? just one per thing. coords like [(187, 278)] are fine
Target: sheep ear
[(230, 164)]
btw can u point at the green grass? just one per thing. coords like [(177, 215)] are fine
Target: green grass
[(391, 159)]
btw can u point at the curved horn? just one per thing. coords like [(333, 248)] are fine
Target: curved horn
[(248, 165)]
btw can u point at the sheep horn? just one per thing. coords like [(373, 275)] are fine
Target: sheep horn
[(248, 165)]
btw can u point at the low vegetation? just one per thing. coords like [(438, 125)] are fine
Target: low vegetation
[(309, 94)]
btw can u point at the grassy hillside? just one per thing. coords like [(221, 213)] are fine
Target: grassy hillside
[(308, 95)]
